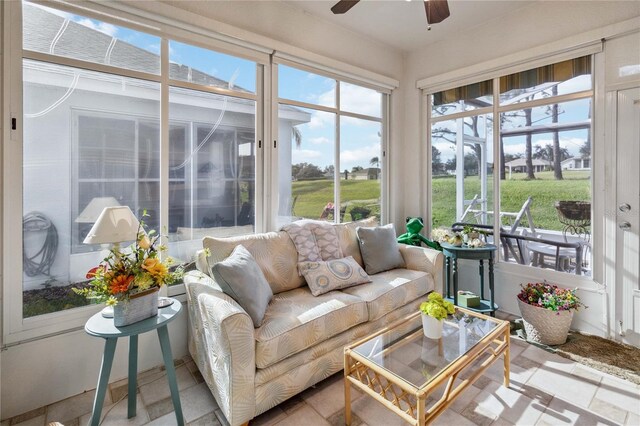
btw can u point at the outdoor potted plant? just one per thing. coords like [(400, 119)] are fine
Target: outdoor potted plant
[(434, 311), (129, 279), (547, 311)]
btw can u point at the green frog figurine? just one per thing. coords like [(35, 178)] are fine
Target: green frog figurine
[(413, 237)]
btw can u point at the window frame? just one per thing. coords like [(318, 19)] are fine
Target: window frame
[(496, 109), (16, 328), (187, 28), (383, 120)]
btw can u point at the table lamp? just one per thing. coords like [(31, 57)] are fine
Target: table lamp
[(114, 225), (93, 210)]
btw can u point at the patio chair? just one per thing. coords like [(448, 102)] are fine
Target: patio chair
[(522, 245)]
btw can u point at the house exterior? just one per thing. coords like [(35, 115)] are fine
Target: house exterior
[(370, 173), (519, 165), (576, 163)]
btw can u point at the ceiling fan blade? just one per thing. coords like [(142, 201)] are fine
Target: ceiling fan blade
[(343, 6), (437, 10)]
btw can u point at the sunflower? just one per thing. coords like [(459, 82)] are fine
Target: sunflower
[(155, 268), (120, 284)]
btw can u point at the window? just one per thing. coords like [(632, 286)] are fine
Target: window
[(331, 161), (544, 145), (93, 139)]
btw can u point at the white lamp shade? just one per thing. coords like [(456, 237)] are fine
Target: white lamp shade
[(115, 225), (92, 212)]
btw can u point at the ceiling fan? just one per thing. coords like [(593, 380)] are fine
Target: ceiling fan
[(437, 10)]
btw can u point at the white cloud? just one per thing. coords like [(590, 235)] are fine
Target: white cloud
[(359, 157), (321, 119), (304, 155), (360, 100), (103, 27), (321, 141)]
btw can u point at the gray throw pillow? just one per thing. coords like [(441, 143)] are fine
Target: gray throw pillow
[(240, 277), (379, 249), (335, 274)]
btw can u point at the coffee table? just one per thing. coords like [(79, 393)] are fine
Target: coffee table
[(418, 378)]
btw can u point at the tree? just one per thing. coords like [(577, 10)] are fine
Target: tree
[(375, 161), (356, 169), (297, 136), (585, 149), (305, 171), (547, 153), (557, 167), (437, 167), (528, 149), (329, 170)]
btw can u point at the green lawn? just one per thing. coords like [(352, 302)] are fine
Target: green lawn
[(313, 196), (545, 190)]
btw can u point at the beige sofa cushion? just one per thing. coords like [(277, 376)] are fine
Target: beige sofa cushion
[(296, 320), (273, 251), (391, 289)]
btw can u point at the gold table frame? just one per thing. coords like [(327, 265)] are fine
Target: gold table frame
[(404, 398)]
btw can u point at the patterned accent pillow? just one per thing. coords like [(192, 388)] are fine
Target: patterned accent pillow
[(305, 242), (327, 241), (323, 277)]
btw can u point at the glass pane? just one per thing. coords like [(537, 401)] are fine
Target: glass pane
[(465, 98), (547, 162), (94, 156), (462, 189), (305, 164), (360, 100), (405, 352), (212, 171), (65, 34), (305, 86), (551, 80), (208, 68), (360, 162)]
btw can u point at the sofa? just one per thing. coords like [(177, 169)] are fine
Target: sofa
[(302, 337)]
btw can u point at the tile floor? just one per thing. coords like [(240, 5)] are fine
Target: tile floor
[(545, 390)]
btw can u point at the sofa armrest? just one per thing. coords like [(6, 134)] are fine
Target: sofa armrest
[(222, 343), (426, 260)]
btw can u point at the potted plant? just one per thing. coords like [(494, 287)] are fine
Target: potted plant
[(547, 311), (129, 279), (434, 311)]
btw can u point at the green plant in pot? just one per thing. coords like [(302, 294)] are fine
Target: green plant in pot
[(434, 311)]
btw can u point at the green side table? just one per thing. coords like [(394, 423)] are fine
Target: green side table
[(103, 327), (451, 256)]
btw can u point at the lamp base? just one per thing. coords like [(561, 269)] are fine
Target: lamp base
[(107, 312)]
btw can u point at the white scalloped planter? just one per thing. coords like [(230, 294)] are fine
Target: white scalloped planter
[(544, 325)]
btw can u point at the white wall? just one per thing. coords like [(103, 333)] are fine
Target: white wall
[(503, 41), (47, 370)]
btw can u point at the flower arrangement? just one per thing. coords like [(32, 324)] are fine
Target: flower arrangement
[(469, 236), (437, 307), (552, 297), (124, 273)]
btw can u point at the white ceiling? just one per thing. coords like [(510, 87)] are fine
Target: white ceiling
[(403, 24)]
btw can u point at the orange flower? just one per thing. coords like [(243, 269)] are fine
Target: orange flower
[(120, 284), (93, 271), (155, 268)]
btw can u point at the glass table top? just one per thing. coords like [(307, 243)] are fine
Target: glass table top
[(407, 353)]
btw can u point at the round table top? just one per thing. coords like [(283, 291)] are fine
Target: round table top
[(486, 247), (100, 326)]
